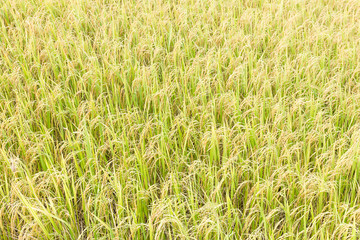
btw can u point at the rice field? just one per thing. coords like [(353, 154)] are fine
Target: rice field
[(180, 119)]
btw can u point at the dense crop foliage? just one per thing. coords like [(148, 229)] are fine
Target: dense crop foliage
[(186, 119)]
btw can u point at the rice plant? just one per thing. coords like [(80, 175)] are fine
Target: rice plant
[(180, 119)]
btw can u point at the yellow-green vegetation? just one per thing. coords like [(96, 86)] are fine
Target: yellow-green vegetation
[(180, 119)]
